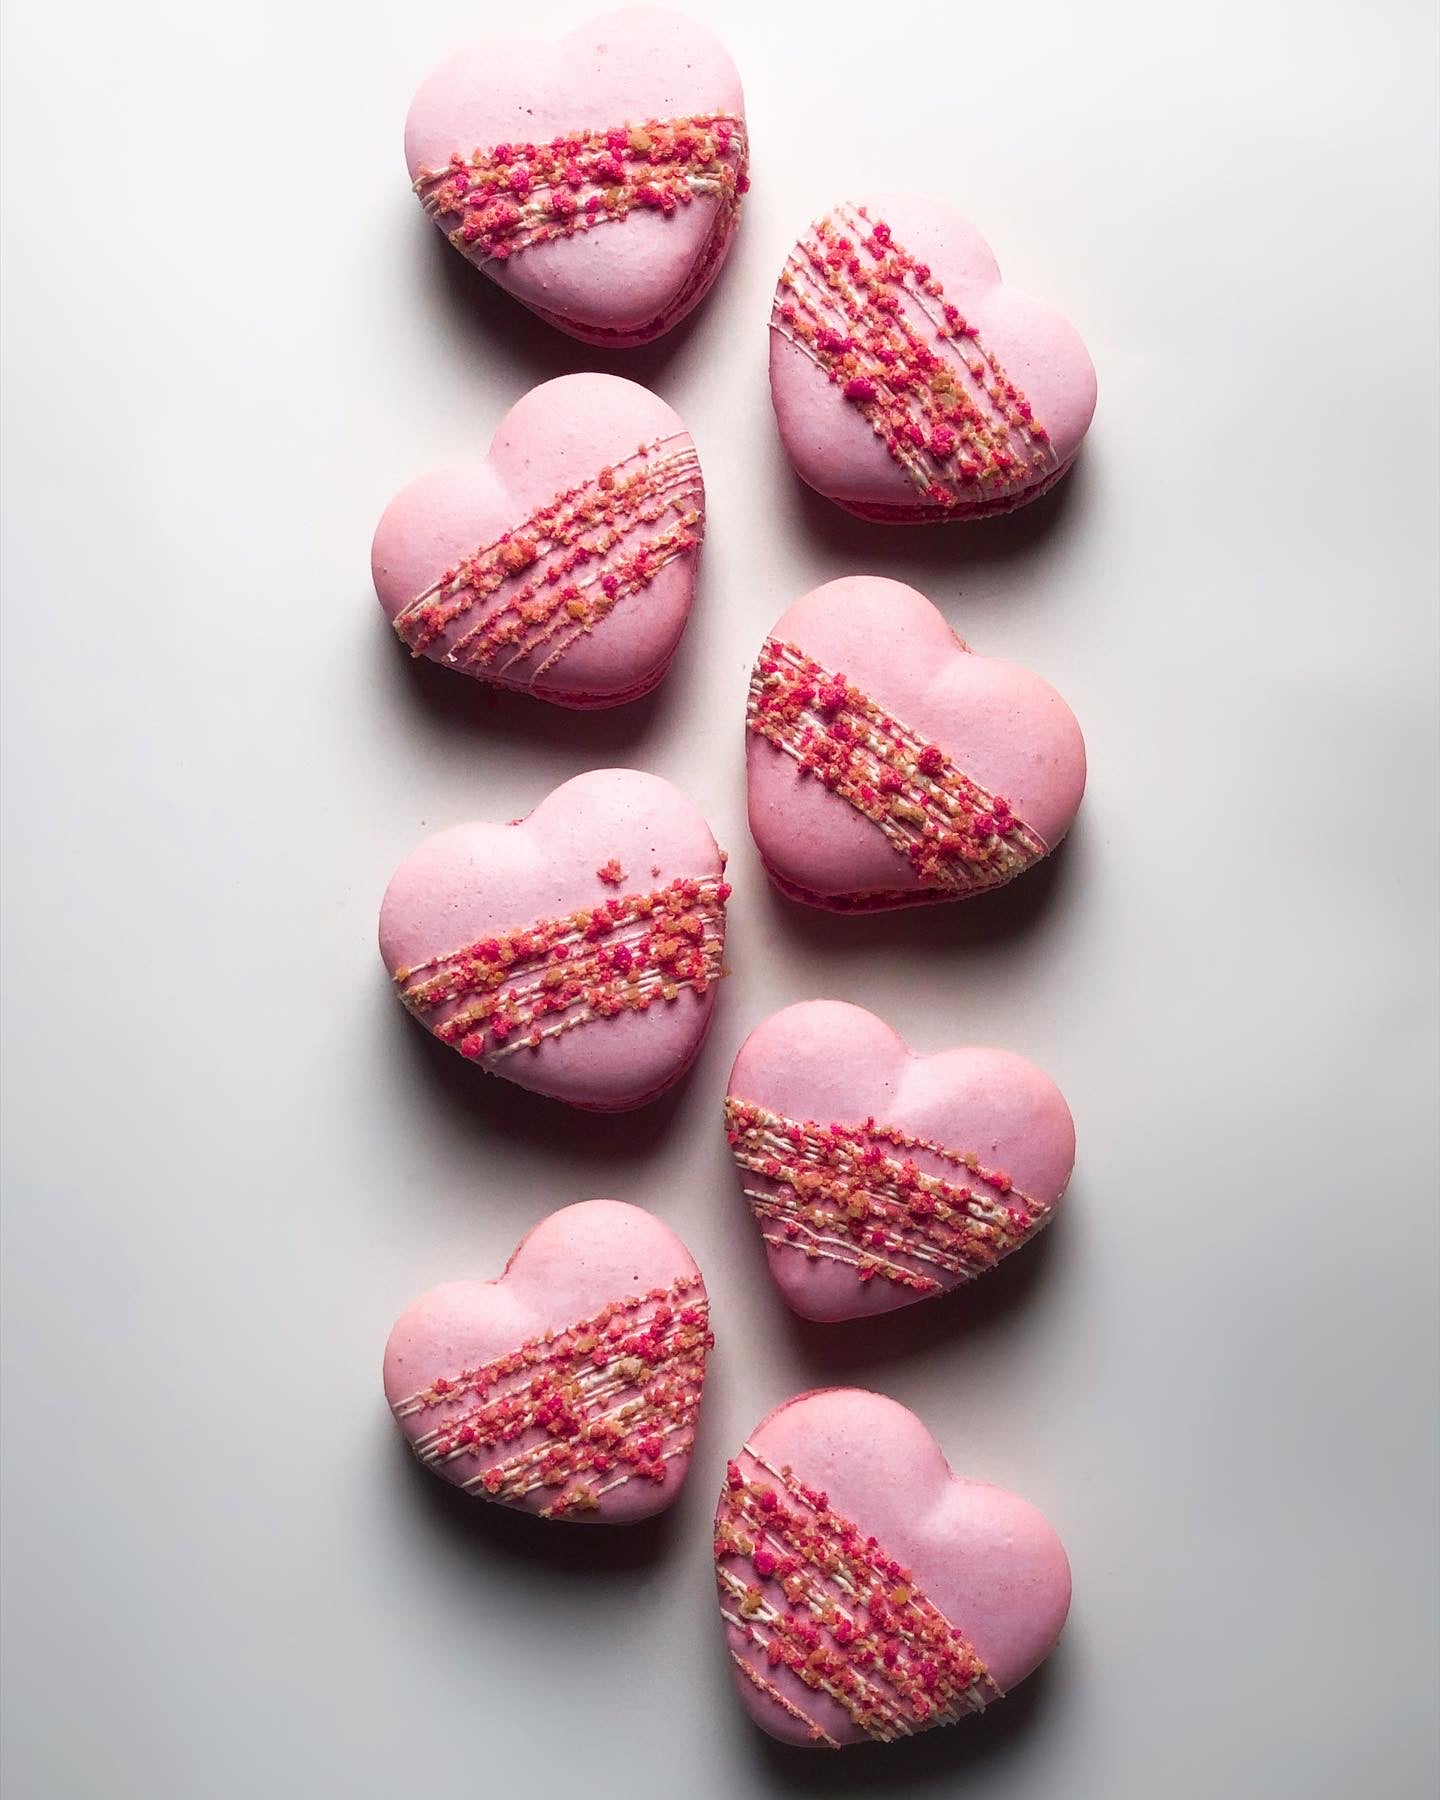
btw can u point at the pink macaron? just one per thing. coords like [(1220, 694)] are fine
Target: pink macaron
[(910, 383), (564, 565), (570, 1387), (597, 179), (867, 1592), (889, 764), (575, 952), (878, 1176)]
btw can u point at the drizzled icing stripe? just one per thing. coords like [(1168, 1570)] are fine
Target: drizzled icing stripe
[(958, 838), (515, 196), (769, 1689), (877, 323), (606, 1401), (566, 568), (804, 1585), (511, 992), (841, 1193)]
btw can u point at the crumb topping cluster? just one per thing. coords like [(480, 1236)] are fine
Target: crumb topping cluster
[(876, 321), (958, 838), (512, 197), (622, 955), (854, 1194), (823, 1603), (554, 578), (581, 1411)]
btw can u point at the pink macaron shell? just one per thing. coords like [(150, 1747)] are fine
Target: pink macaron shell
[(988, 1560), (557, 437), (480, 880), (620, 283), (562, 1272), (835, 451), (832, 1063), (1000, 723)]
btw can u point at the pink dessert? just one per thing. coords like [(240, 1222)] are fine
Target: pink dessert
[(575, 952), (597, 179), (879, 1177), (571, 1386), (888, 764), (867, 1592), (564, 565), (910, 384)]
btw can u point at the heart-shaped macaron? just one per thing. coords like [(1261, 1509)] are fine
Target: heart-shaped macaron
[(889, 764), (911, 384), (867, 1592), (571, 1386), (564, 564), (575, 952), (597, 179), (879, 1177)]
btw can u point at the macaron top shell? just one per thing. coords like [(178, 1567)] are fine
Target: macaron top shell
[(563, 437), (601, 837), (1000, 723), (831, 1063), (621, 281), (826, 434), (562, 1275), (989, 1561)]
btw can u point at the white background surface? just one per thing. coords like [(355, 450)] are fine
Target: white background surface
[(231, 1160)]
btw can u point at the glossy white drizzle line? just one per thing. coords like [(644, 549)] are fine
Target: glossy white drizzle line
[(635, 931), (815, 1244), (965, 1701), (661, 558), (768, 1138), (669, 1456), (628, 1409), (456, 585), (839, 1581), (769, 1689), (922, 468), (651, 982), (772, 1207), (679, 482), (594, 1385), (669, 497), (772, 1134), (879, 1700), (787, 1480), (532, 209), (637, 1317), (900, 832), (516, 1464), (1043, 452)]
